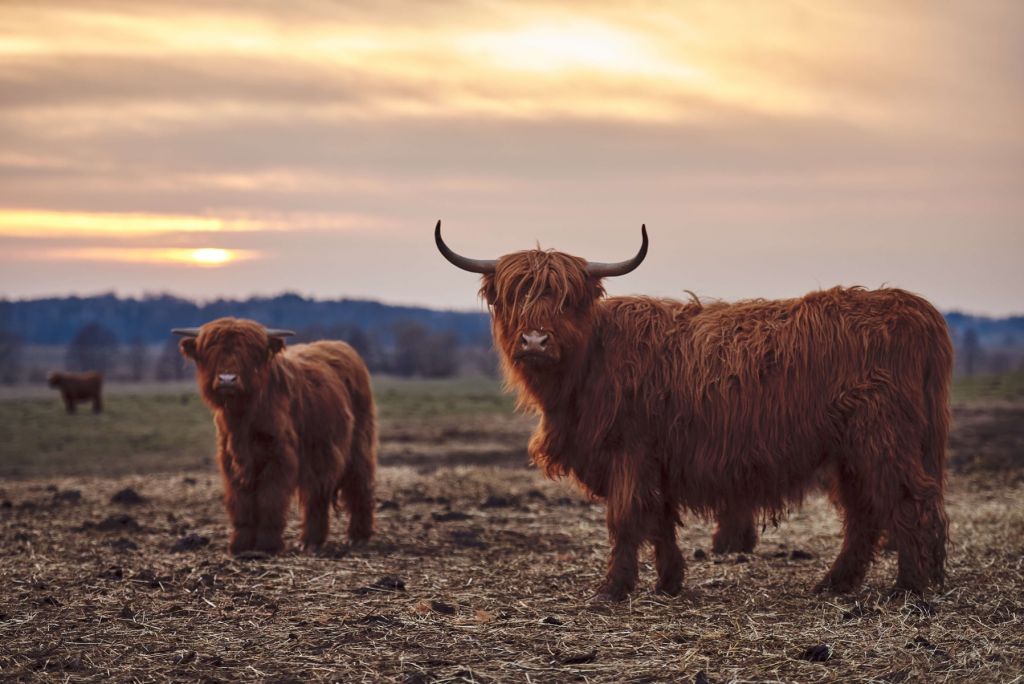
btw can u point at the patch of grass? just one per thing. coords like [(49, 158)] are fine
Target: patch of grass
[(1005, 387), (400, 399), (150, 429), (135, 433)]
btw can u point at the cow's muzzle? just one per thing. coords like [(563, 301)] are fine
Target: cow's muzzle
[(227, 383), (535, 347)]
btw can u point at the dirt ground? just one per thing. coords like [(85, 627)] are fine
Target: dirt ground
[(480, 571)]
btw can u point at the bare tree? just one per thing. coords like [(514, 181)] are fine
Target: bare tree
[(137, 360), (10, 357), (170, 365), (94, 347)]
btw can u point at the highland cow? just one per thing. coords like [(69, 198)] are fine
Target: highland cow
[(300, 418), (660, 406), (78, 387)]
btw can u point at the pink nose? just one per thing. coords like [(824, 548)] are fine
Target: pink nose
[(534, 341), (227, 379)]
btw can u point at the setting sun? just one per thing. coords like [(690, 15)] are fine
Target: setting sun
[(211, 256)]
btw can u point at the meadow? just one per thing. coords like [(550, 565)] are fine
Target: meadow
[(113, 562)]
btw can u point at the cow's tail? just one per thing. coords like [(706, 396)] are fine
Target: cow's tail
[(355, 490), (937, 375)]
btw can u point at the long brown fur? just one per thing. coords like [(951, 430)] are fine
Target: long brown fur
[(78, 387), (660, 406), (302, 419)]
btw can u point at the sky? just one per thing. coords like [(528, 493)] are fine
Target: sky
[(229, 149)]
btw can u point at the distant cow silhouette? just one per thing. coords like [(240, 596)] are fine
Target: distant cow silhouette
[(660, 406), (300, 418), (78, 387)]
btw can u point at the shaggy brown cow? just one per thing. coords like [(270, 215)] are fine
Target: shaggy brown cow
[(78, 387), (659, 406), (301, 417)]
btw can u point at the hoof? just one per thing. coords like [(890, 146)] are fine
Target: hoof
[(251, 555), (833, 586), (668, 589), (605, 596)]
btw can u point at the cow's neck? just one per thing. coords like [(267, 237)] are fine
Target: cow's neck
[(552, 391)]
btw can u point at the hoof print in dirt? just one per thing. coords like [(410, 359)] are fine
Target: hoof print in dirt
[(920, 643), (114, 572), (127, 497), (184, 658), (700, 554), (68, 496), (701, 678), (190, 542), (123, 544), (468, 539), (799, 555), (388, 505), (385, 583), (580, 658), (449, 516), (151, 579), (551, 620), (817, 654), (418, 678), (22, 537), (442, 608)]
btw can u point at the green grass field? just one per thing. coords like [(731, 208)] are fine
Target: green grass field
[(151, 428), (147, 430)]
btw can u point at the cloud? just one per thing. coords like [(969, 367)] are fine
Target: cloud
[(770, 147)]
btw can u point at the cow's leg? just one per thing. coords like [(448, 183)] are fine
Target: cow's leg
[(241, 505), (69, 404), (357, 495), (736, 531), (97, 404), (274, 490), (918, 527), (667, 558), (625, 536), (861, 530), (316, 519), (629, 526)]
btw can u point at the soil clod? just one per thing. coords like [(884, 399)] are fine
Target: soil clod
[(819, 653), (449, 516), (127, 497), (580, 658), (190, 542)]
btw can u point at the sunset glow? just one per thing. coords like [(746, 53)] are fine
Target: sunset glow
[(19, 223), (772, 148), (203, 256)]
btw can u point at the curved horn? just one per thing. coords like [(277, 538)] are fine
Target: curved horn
[(599, 270), (278, 332), (465, 263), (187, 332)]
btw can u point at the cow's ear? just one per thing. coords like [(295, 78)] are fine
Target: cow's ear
[(188, 348), (487, 289), (276, 345)]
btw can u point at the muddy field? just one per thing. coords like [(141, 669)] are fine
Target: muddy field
[(481, 571)]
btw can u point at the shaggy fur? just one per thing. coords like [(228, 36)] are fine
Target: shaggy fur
[(78, 387), (660, 406), (298, 418)]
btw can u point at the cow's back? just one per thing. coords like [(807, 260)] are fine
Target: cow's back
[(328, 388), (736, 391)]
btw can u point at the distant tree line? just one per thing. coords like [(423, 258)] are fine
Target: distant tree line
[(403, 341)]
